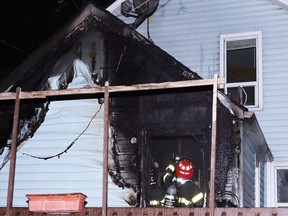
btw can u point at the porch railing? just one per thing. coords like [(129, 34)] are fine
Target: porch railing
[(163, 212)]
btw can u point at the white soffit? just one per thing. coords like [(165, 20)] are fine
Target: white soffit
[(114, 8)]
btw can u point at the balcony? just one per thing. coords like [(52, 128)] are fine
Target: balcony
[(14, 211)]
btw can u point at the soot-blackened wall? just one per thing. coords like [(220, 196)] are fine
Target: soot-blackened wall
[(176, 122)]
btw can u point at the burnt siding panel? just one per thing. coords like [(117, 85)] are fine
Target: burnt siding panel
[(190, 31), (248, 172), (176, 114)]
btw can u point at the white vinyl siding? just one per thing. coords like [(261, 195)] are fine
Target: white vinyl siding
[(80, 169), (190, 31)]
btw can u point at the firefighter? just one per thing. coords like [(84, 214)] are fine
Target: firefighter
[(157, 196), (180, 176), (157, 193)]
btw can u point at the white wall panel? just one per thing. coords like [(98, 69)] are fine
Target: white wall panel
[(78, 170), (189, 30)]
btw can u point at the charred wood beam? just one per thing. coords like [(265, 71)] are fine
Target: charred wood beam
[(13, 153), (144, 152), (105, 60), (100, 90)]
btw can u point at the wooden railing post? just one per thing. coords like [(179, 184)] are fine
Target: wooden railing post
[(13, 151), (213, 146), (105, 150)]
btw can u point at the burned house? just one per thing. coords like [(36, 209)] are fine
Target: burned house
[(145, 127)]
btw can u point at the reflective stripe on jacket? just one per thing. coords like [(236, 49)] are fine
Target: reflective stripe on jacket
[(195, 199), (168, 172)]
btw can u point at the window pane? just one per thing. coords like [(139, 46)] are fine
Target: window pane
[(282, 185), (244, 97), (241, 61)]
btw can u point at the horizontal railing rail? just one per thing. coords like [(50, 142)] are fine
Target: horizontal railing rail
[(162, 212)]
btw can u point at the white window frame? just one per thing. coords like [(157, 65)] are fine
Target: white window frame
[(272, 168), (224, 38)]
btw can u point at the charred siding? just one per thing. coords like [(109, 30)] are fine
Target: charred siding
[(262, 184), (176, 116)]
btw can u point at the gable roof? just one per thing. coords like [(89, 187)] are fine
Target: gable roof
[(34, 72), (89, 17)]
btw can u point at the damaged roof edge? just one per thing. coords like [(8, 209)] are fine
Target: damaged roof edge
[(54, 40), (251, 126), (240, 112), (44, 50)]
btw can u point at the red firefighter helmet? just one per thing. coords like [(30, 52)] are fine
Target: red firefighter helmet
[(184, 169)]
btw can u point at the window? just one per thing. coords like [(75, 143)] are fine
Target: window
[(278, 182), (282, 186), (241, 65)]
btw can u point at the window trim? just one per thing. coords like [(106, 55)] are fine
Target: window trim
[(224, 38), (272, 168)]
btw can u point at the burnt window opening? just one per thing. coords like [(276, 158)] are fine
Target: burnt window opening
[(169, 123)]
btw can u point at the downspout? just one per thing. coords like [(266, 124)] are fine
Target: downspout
[(241, 164)]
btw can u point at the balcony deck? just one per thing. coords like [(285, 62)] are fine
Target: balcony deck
[(163, 212), (22, 211)]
